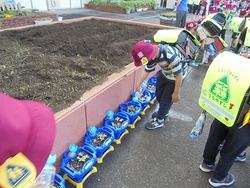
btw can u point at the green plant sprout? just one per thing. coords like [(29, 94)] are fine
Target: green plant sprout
[(82, 157), (132, 109), (102, 136)]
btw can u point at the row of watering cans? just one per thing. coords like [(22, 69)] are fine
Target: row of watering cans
[(115, 126)]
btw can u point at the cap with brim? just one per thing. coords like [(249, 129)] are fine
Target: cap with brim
[(143, 52), (204, 3), (213, 9), (190, 25), (229, 6), (243, 12), (216, 2), (27, 127)]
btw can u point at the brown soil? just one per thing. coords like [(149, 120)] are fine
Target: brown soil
[(56, 64)]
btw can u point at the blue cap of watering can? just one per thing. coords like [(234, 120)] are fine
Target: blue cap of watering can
[(110, 114), (72, 150), (92, 130), (135, 96)]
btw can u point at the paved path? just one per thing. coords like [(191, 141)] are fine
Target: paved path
[(166, 157)]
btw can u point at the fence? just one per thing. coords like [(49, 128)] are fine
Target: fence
[(12, 7)]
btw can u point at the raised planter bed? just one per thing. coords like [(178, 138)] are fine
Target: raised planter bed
[(20, 21), (73, 122), (112, 9), (167, 21), (43, 21)]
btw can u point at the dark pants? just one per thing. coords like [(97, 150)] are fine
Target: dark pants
[(164, 91), (195, 7), (237, 140), (242, 40), (199, 59), (223, 33), (181, 17), (243, 35), (190, 8), (234, 35)]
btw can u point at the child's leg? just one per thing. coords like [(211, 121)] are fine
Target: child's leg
[(199, 59), (241, 40), (207, 54)]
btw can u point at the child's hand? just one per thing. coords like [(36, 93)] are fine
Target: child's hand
[(138, 89), (175, 97), (202, 47), (187, 48)]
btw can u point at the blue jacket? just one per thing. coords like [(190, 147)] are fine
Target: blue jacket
[(183, 5)]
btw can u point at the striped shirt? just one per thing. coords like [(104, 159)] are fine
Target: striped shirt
[(171, 62)]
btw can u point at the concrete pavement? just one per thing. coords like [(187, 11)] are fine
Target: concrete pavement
[(151, 16), (165, 157)]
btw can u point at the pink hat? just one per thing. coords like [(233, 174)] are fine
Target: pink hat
[(243, 12), (216, 2), (27, 127), (143, 52), (204, 3), (190, 25), (212, 9), (229, 6)]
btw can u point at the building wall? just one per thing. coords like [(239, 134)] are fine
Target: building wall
[(38, 4), (170, 4), (49, 4), (84, 2), (62, 4), (76, 4), (25, 3)]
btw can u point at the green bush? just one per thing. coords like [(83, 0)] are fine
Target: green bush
[(169, 14), (17, 13), (124, 3)]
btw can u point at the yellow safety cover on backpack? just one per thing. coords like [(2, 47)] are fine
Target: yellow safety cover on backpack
[(247, 37), (17, 172), (223, 42), (212, 21), (235, 24), (224, 87), (170, 36)]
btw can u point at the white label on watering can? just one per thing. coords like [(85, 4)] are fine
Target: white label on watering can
[(90, 163), (224, 87), (107, 143)]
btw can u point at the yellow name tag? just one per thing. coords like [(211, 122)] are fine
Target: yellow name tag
[(17, 172)]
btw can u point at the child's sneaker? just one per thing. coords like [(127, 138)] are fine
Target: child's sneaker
[(227, 181), (242, 157), (193, 64), (154, 115), (207, 168), (154, 124), (205, 62), (199, 63), (232, 48)]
